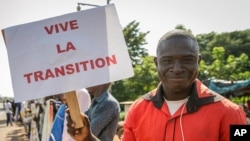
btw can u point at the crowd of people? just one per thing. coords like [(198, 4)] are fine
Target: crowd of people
[(12, 110), (45, 118), (180, 108)]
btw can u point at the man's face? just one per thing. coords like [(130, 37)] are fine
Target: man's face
[(98, 88), (177, 63), (91, 89)]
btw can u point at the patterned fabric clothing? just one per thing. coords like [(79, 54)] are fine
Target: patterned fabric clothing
[(48, 120), (104, 116), (33, 132)]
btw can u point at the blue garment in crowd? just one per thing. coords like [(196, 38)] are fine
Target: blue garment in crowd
[(58, 123)]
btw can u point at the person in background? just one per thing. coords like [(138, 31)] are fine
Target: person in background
[(180, 107), (103, 114), (8, 110), (13, 109), (17, 116), (37, 117), (4, 104)]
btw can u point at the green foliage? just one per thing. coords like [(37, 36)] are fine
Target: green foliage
[(122, 116), (135, 39), (145, 77), (225, 55), (204, 42), (240, 100), (230, 68), (144, 80), (180, 26), (235, 43)]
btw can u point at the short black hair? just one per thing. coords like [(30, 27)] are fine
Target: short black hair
[(178, 33)]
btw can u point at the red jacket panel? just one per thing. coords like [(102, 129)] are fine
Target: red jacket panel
[(206, 117)]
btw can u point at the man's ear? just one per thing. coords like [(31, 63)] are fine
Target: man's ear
[(155, 61), (199, 58)]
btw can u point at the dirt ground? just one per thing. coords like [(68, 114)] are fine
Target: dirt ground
[(16, 132)]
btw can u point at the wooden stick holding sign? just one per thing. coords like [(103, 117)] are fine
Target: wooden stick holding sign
[(74, 109)]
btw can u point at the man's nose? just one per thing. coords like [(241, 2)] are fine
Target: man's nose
[(177, 67)]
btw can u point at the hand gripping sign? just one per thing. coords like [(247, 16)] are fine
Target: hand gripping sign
[(65, 53)]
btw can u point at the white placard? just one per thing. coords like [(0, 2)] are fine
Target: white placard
[(67, 52)]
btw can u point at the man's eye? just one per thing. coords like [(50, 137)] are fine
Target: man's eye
[(188, 60), (167, 61)]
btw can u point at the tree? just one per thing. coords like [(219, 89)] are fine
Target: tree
[(144, 80), (180, 26), (128, 89), (234, 65), (135, 39), (205, 48), (230, 68), (235, 43)]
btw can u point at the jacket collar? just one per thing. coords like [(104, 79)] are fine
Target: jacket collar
[(200, 95), (102, 97)]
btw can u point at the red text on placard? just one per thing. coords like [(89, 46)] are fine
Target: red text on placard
[(62, 27), (69, 47)]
